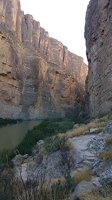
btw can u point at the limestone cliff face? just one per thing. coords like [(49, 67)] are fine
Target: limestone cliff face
[(98, 35), (39, 77)]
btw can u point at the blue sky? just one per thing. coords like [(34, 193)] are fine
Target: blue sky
[(63, 19)]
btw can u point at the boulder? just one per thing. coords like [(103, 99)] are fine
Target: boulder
[(25, 156), (18, 160), (93, 130), (82, 188), (106, 176)]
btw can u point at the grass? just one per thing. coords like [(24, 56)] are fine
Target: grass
[(104, 118), (58, 142), (53, 144), (82, 175), (56, 130), (52, 189), (108, 140), (69, 145), (11, 187), (5, 159), (106, 155), (46, 128), (49, 128), (102, 194), (80, 130)]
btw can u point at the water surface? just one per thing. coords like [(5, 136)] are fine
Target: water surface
[(11, 135)]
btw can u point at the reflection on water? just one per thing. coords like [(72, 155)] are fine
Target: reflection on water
[(11, 135)]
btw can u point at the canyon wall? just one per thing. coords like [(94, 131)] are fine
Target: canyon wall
[(98, 35), (39, 77)]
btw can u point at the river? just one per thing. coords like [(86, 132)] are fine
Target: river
[(11, 135)]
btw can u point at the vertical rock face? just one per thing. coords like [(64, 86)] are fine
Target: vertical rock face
[(98, 35), (39, 77)]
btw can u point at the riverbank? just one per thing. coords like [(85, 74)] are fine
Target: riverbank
[(65, 163), (4, 122), (46, 128), (12, 134)]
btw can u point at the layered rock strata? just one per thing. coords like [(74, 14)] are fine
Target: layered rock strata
[(98, 35), (39, 77)]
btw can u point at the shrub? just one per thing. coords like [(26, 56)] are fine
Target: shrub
[(80, 130), (106, 155), (82, 175), (13, 188), (46, 128), (60, 189), (69, 183), (5, 159), (53, 144), (4, 122), (6, 186), (57, 190), (101, 194), (108, 140)]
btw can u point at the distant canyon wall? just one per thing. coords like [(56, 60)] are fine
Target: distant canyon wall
[(39, 77), (98, 35)]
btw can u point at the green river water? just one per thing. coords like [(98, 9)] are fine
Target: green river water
[(11, 135)]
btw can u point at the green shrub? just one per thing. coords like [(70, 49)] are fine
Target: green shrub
[(4, 122), (6, 186), (5, 159), (52, 144), (46, 128), (60, 189), (69, 183), (57, 190)]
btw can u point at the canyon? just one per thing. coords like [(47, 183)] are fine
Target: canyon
[(39, 77), (98, 35)]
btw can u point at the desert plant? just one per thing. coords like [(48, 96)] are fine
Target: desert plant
[(83, 128), (106, 155), (104, 193), (69, 183), (52, 144), (12, 187), (108, 140), (5, 159), (46, 128), (61, 189), (85, 174), (6, 186), (57, 190)]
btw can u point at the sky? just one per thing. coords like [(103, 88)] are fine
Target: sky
[(63, 19)]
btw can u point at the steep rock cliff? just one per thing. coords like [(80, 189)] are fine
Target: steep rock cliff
[(98, 35), (39, 77)]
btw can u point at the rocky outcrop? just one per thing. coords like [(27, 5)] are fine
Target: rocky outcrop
[(98, 37), (83, 154), (39, 77)]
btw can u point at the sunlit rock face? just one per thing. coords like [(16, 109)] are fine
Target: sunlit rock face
[(39, 77), (98, 35)]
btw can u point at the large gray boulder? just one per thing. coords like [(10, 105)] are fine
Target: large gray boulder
[(81, 188), (18, 160)]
